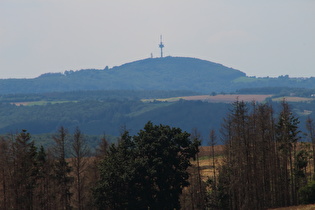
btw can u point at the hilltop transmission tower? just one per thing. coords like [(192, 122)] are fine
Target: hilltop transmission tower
[(161, 45)]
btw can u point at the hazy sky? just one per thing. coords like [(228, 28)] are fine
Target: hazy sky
[(260, 38)]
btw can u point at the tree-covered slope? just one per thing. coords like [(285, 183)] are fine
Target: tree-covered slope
[(169, 73), (99, 117)]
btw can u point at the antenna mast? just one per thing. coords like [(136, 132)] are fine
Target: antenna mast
[(161, 45)]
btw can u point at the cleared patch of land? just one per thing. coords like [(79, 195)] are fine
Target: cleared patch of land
[(293, 99), (206, 161), (301, 207), (227, 98), (39, 103)]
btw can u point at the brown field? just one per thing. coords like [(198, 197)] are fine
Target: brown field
[(217, 98), (205, 160), (301, 207), (21, 103), (228, 98), (293, 99)]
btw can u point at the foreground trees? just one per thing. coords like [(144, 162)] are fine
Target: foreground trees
[(148, 170), (263, 166)]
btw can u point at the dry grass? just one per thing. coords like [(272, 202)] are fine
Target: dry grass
[(301, 207), (229, 98), (205, 164), (293, 99), (205, 160)]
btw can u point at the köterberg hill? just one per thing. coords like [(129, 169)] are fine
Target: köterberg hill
[(169, 73)]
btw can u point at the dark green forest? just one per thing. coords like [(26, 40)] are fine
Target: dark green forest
[(106, 112), (169, 73)]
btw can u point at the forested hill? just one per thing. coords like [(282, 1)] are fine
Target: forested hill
[(169, 73)]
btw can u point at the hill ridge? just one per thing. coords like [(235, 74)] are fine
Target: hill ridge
[(168, 73)]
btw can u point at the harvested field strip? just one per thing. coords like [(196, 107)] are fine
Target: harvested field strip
[(39, 103), (216, 99), (293, 99), (301, 207), (205, 161)]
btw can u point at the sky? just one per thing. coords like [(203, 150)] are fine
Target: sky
[(260, 38)]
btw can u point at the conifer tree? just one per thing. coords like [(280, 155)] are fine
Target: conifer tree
[(25, 170), (62, 170), (5, 172), (262, 167), (80, 153), (287, 134)]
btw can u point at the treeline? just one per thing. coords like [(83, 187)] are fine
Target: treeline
[(265, 164), (144, 171), (96, 117), (279, 91), (94, 95), (268, 82), (35, 178)]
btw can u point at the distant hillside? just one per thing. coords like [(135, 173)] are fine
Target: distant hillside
[(99, 117), (169, 73)]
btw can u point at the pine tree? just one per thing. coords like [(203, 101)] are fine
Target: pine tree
[(287, 134), (5, 174), (79, 154), (62, 170), (25, 170)]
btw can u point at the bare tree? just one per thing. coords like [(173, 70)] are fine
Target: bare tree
[(212, 143), (79, 153), (199, 200), (62, 170), (5, 171), (311, 132)]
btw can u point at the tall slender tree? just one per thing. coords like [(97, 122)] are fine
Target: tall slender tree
[(25, 171), (287, 134), (5, 172), (212, 201), (79, 154), (263, 167), (62, 169), (310, 126)]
